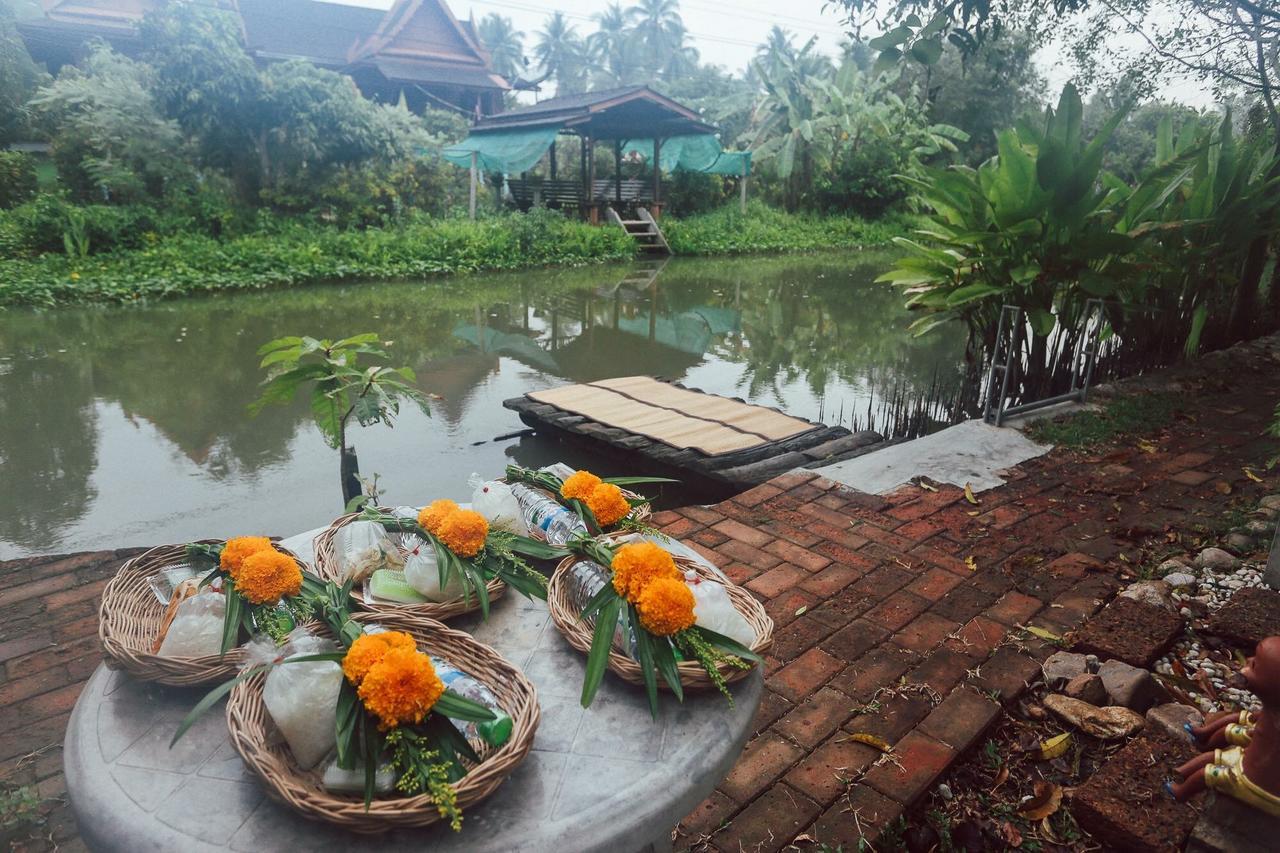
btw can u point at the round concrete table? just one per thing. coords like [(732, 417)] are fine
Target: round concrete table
[(597, 779)]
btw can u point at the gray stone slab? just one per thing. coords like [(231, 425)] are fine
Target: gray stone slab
[(607, 778)]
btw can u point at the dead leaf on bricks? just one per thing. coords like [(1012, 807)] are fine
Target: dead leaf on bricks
[(800, 610), (971, 563), (1047, 831), (1054, 746), (929, 488), (1252, 476), (1222, 487), (968, 494), (1011, 835), (1042, 633), (1044, 801), (869, 740), (1146, 447)]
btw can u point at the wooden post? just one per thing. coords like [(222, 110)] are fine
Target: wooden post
[(657, 174), (591, 180), (553, 159), (742, 191), (617, 171), (475, 167)]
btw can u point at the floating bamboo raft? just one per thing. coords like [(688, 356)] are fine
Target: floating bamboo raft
[(686, 432)]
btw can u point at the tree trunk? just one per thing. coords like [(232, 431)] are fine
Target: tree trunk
[(349, 470), (1273, 297), (1246, 304)]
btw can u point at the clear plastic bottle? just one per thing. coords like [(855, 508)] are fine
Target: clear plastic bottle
[(493, 732), (585, 580), (545, 515)]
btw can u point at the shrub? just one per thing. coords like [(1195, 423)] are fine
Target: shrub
[(37, 227), (17, 178), (766, 229), (864, 181)]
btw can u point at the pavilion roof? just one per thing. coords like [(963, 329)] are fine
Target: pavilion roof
[(630, 112)]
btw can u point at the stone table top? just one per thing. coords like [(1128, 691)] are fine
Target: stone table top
[(603, 778)]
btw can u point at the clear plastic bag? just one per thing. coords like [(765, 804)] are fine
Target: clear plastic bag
[(498, 505), (352, 781), (714, 610), (196, 630), (302, 699), (422, 572), (363, 547), (558, 469)]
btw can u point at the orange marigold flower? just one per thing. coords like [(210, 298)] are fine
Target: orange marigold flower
[(434, 514), (267, 576), (639, 564), (608, 504), (401, 688), (234, 552), (579, 486), (666, 607), (368, 649), (464, 532)]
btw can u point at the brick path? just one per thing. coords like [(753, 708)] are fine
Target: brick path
[(882, 626)]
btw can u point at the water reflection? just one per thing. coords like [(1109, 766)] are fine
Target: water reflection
[(128, 426)]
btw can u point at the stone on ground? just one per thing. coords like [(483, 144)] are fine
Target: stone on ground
[(1252, 614), (1110, 723), (1177, 579), (1130, 686), (1217, 559), (1124, 805), (1238, 543), (1132, 631), (1087, 688), (1227, 825), (1170, 718), (1060, 667), (1159, 593)]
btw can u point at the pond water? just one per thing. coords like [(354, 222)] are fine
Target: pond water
[(127, 426)]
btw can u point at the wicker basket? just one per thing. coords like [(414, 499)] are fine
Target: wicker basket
[(641, 513), (692, 675), (129, 620), (328, 568), (253, 735)]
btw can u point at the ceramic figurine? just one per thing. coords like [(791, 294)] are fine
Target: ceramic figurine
[(1244, 761)]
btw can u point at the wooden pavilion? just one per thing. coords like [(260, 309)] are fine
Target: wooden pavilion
[(633, 120)]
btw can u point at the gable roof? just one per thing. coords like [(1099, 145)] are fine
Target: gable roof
[(308, 29), (422, 30), (622, 113)]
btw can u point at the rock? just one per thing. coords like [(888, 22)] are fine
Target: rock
[(1109, 723), (1251, 614), (1123, 804), (1174, 564), (1217, 559), (1061, 667), (1131, 687), (1270, 502), (1257, 527), (1159, 593), (1238, 542), (1176, 579), (1172, 716), (1227, 825), (1087, 688)]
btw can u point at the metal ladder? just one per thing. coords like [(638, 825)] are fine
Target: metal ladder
[(1012, 323)]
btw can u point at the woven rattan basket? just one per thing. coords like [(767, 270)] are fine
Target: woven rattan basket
[(328, 568), (692, 675), (254, 736), (129, 620), (641, 513)]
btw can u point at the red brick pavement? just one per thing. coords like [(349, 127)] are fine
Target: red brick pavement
[(882, 626)]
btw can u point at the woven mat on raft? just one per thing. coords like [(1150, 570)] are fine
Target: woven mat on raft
[(683, 419)]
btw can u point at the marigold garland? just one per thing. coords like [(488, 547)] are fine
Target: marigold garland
[(268, 576), (434, 514), (237, 549), (666, 607), (368, 649), (638, 564), (608, 504), (579, 486), (400, 688), (464, 532)]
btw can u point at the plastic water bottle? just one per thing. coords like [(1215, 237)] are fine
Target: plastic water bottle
[(585, 580), (493, 732), (545, 514)]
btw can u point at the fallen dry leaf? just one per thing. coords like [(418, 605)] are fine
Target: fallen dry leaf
[(869, 740), (1054, 746), (1011, 835), (1222, 487), (1042, 633), (801, 609), (969, 495), (971, 563), (1252, 476), (1045, 800), (927, 487), (1146, 447), (1002, 776)]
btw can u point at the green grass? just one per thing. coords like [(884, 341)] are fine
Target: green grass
[(1118, 418), (765, 229)]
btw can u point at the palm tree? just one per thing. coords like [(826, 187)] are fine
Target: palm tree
[(562, 54), (613, 49), (505, 44), (659, 28)]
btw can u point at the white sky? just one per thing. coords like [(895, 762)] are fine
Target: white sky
[(726, 32)]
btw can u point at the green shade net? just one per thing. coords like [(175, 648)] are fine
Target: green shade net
[(509, 152), (695, 153)]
